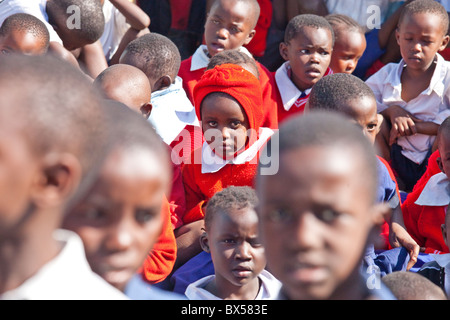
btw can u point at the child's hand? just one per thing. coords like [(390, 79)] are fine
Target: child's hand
[(403, 123)]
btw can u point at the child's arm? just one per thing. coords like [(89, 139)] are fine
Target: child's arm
[(135, 16), (92, 59)]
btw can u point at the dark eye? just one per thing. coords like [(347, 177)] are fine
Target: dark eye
[(328, 215), (145, 215), (94, 214), (280, 215)]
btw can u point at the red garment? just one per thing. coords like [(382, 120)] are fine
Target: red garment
[(180, 10), (257, 46), (295, 109), (159, 263), (200, 187), (423, 223), (269, 107), (189, 139), (376, 66)]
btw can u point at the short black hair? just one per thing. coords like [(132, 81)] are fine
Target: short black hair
[(333, 92), (233, 57), (426, 6), (26, 23), (412, 286), (155, 54), (444, 130), (92, 19), (343, 22), (57, 107), (230, 198), (296, 24), (324, 129)]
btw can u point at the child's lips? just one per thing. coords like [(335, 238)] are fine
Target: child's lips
[(313, 72)]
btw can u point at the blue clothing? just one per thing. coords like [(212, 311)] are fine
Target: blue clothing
[(138, 289), (370, 55), (387, 188), (196, 268)]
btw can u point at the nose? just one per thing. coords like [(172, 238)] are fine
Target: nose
[(305, 234), (225, 133), (315, 57), (119, 237), (417, 47), (243, 251), (222, 33)]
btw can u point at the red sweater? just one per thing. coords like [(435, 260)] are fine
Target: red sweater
[(200, 187), (190, 79), (159, 263), (424, 222)]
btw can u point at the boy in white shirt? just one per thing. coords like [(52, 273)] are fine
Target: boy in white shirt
[(232, 237), (412, 95)]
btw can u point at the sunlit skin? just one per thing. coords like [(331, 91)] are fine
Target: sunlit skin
[(120, 220), (224, 124), (348, 49), (315, 216), (229, 25), (309, 55), (237, 253), (363, 111), (22, 42)]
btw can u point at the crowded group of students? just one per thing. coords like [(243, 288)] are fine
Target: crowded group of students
[(146, 176)]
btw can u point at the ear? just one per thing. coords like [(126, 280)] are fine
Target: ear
[(439, 163), (397, 36), (380, 122), (146, 110), (250, 37), (58, 179), (444, 43), (162, 83), (204, 242), (284, 50)]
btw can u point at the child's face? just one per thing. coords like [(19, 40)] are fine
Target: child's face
[(364, 112), (235, 248), (444, 151), (18, 171), (315, 218), (229, 25), (22, 42), (420, 37), (347, 52), (309, 55), (120, 220), (224, 124)]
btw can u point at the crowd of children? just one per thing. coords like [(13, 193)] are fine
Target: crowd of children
[(155, 169)]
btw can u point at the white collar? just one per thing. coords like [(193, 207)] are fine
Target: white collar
[(288, 90), (436, 191), (436, 82), (212, 163), (200, 58), (174, 88)]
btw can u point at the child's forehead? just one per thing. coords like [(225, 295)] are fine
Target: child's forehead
[(424, 17), (238, 11), (311, 34)]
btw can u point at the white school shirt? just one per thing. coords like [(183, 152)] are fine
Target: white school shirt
[(115, 28), (436, 192), (35, 8), (67, 277), (269, 290), (172, 111), (288, 90), (433, 104), (200, 58)]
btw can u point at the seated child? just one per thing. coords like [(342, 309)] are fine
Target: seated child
[(437, 270), (124, 219), (412, 286), (128, 85), (173, 115), (350, 96), (307, 48), (227, 100), (230, 25), (412, 95), (349, 45), (424, 217), (231, 237), (319, 211), (69, 29), (24, 33), (52, 138), (124, 22)]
